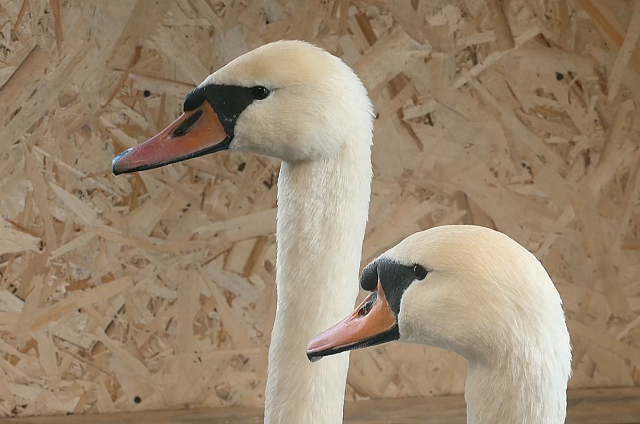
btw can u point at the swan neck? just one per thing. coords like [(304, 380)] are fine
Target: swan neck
[(322, 213), (523, 388)]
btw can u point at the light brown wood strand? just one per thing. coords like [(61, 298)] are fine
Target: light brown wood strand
[(504, 37)]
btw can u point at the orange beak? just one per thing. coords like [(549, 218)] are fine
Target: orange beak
[(194, 133), (371, 323)]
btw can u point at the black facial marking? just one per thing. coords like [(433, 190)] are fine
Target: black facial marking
[(194, 99), (228, 101), (186, 125), (394, 277), (369, 277)]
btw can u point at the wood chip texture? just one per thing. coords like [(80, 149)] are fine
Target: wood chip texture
[(156, 290)]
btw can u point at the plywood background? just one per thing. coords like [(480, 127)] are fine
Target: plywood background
[(156, 290)]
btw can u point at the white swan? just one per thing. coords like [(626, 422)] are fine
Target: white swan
[(293, 101), (476, 292)]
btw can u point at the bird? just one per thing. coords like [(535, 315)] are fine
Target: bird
[(474, 291), (293, 101)]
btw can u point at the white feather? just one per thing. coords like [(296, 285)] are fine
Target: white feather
[(490, 300), (319, 121)]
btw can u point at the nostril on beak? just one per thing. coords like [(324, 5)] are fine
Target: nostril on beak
[(366, 308), (186, 125)]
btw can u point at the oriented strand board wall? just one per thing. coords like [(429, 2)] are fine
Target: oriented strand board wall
[(156, 290)]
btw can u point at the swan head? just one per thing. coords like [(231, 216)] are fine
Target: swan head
[(288, 99), (468, 289)]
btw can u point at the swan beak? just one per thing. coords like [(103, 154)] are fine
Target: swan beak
[(194, 133), (371, 323)]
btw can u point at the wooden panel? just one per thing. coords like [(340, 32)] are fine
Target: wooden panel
[(156, 290), (595, 406)]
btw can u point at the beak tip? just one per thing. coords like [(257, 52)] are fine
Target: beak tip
[(314, 348), (313, 356), (115, 169)]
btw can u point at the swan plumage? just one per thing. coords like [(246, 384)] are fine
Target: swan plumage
[(477, 292), (293, 101)]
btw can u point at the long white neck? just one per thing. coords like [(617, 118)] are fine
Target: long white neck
[(525, 386), (322, 214)]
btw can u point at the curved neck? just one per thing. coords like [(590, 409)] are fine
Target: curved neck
[(322, 213), (524, 386)]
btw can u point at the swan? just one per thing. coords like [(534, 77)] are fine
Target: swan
[(477, 292), (293, 101)]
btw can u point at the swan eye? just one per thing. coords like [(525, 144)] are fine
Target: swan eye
[(259, 92), (419, 271)]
